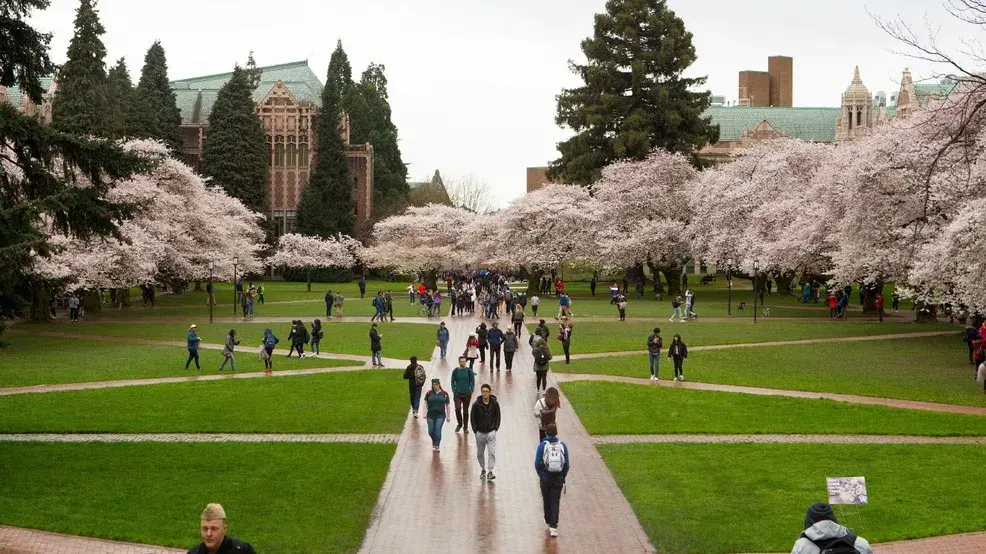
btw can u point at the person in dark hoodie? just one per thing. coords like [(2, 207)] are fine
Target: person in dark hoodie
[(678, 352), (552, 462), (375, 346), (510, 346), (316, 337), (482, 335), (416, 377), (485, 418), (823, 532), (495, 337)]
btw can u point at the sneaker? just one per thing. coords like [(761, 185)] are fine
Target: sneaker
[(458, 428), (435, 448), (682, 377), (415, 415), (482, 475), (490, 476), (553, 532)]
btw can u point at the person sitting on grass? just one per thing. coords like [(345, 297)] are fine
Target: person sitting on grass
[(214, 539), (824, 534)]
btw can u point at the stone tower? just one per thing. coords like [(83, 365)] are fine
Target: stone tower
[(907, 98), (856, 117)]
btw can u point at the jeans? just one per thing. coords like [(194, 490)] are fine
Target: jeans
[(495, 356), (314, 345), (73, 313), (541, 379), (193, 354), (443, 345), (375, 357), (269, 361), (232, 362), (462, 408), (415, 391), (435, 429), (655, 363), (565, 346), (551, 495), (508, 357), (678, 372), (486, 442)]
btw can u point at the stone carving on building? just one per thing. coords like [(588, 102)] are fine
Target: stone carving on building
[(856, 118)]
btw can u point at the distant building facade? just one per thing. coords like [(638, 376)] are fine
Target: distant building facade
[(428, 192), (537, 177), (771, 88)]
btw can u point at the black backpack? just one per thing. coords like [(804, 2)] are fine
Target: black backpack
[(838, 545), (541, 356)]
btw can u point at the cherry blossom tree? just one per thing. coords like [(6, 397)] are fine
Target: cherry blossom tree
[(304, 252)]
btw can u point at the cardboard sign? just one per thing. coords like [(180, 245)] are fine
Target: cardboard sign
[(847, 490)]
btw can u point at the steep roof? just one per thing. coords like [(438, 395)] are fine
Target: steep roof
[(15, 95), (296, 76), (811, 124), (926, 90)]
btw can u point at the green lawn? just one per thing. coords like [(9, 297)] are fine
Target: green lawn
[(709, 499), (624, 409), (371, 401), (400, 340), (279, 497), (274, 291), (933, 369), (632, 335), (311, 306), (34, 360)]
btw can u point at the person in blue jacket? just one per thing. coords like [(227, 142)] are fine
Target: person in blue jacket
[(442, 338), (495, 338), (552, 462), (193, 341)]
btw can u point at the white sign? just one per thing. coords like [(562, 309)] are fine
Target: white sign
[(847, 490)]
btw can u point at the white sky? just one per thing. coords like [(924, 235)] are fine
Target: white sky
[(472, 83)]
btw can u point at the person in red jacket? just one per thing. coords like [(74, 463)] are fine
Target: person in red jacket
[(879, 307), (833, 305)]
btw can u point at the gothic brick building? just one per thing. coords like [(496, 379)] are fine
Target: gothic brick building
[(288, 99)]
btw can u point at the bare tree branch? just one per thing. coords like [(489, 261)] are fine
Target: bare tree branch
[(471, 193)]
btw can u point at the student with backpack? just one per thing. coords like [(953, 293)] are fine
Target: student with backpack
[(546, 410), (437, 401), (654, 345), (678, 352), (316, 337), (552, 462), (267, 350), (416, 377), (541, 358), (676, 304), (824, 535)]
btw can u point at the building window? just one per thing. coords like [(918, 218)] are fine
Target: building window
[(859, 118), (270, 152), (303, 155), (292, 155), (290, 222), (279, 152)]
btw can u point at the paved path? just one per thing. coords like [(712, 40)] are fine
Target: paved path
[(965, 543), (197, 437), (239, 319), (436, 501), (193, 376), (780, 439), (776, 343), (29, 541), (851, 398)]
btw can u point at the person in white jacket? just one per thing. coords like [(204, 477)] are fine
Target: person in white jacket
[(823, 532), (546, 410)]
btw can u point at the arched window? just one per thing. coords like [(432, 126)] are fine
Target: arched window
[(279, 152), (859, 118), (303, 155), (292, 155), (270, 152)]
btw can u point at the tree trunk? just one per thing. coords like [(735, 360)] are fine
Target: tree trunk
[(534, 282), (93, 301), (673, 277), (430, 279), (634, 273), (308, 280), (658, 286), (39, 311), (784, 281), (869, 301), (122, 298)]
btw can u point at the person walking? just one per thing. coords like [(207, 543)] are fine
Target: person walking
[(495, 339), (231, 343), (388, 303), (441, 339), (436, 401), (416, 377), (328, 304), (878, 304), (316, 337), (678, 352), (690, 305), (541, 331), (676, 304), (210, 294), (192, 341), (338, 301), (552, 463), (375, 346), (463, 383), (546, 410), (73, 308), (378, 307), (654, 345), (564, 306), (485, 417), (472, 350), (970, 336), (510, 345), (299, 338), (542, 355), (565, 336), (267, 350), (535, 302), (621, 306), (362, 286), (517, 319), (482, 336), (260, 293), (895, 301)]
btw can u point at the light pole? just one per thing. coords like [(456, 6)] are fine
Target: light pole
[(756, 288), (729, 285), (236, 293), (212, 266)]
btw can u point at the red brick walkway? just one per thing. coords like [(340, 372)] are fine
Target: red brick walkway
[(436, 502), (29, 541)]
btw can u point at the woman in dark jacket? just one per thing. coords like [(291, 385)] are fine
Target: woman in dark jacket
[(316, 337), (481, 335), (678, 352)]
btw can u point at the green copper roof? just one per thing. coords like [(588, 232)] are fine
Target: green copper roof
[(811, 124), (297, 77), (14, 94), (925, 90)]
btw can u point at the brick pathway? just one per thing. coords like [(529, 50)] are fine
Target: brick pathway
[(192, 377), (14, 540), (437, 502), (783, 439), (776, 343), (853, 399), (966, 543), (197, 437)]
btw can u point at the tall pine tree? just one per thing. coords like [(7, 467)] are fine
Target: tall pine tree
[(340, 71), (81, 105), (156, 115), (120, 94), (634, 98), (234, 154), (326, 205)]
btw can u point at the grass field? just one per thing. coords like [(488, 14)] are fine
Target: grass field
[(624, 409), (370, 401), (400, 340), (632, 335), (279, 497), (933, 369), (709, 499), (35, 360)]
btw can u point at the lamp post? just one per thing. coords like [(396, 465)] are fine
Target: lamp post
[(236, 293), (729, 285), (212, 266), (756, 288)]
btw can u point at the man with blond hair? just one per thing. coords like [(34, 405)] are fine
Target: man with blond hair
[(214, 540)]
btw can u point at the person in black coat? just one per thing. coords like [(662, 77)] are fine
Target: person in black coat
[(678, 352)]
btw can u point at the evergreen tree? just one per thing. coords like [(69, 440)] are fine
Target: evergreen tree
[(120, 93), (370, 121), (326, 205), (81, 105), (24, 58), (234, 154), (340, 71), (157, 115), (634, 98)]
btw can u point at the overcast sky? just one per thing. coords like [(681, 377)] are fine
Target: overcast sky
[(472, 83)]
